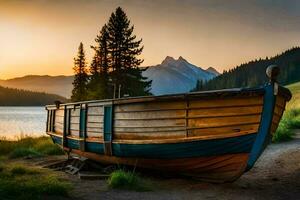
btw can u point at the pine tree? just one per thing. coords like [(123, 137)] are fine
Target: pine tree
[(79, 92), (104, 62), (94, 90), (98, 85), (124, 50)]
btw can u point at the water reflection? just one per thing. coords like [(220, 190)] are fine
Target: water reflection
[(22, 121)]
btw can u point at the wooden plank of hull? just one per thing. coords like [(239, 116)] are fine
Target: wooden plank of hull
[(95, 110), (148, 115), (223, 130), (223, 112), (226, 102), (278, 112), (158, 120), (222, 168), (148, 135), (149, 123), (150, 106), (59, 121), (219, 122)]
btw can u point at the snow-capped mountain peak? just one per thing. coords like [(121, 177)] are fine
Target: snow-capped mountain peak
[(175, 76), (168, 60), (181, 59)]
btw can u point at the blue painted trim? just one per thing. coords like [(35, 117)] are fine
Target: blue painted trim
[(240, 144), (57, 140), (82, 124), (73, 144), (66, 122), (95, 147), (108, 121), (263, 136)]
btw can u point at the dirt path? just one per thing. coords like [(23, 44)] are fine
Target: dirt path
[(275, 176)]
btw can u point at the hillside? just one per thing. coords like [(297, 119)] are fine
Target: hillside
[(17, 97), (295, 101), (176, 76), (253, 74), (60, 85), (171, 76)]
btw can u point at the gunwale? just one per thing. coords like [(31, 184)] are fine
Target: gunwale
[(182, 96)]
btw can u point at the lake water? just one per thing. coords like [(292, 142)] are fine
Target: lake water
[(18, 122)]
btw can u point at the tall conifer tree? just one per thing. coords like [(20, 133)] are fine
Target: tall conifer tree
[(79, 92), (98, 86), (124, 50), (94, 89)]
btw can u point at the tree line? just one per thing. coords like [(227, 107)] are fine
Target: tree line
[(252, 74), (114, 70), (17, 97)]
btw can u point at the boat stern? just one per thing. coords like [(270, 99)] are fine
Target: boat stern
[(275, 99)]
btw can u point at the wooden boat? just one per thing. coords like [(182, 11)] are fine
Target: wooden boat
[(214, 136)]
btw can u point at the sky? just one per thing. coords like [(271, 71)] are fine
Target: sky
[(42, 37)]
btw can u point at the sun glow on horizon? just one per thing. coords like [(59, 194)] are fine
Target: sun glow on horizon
[(42, 37)]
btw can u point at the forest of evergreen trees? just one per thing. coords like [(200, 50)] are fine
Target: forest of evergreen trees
[(17, 97), (253, 74), (114, 70)]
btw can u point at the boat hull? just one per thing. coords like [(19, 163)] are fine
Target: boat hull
[(215, 160), (218, 169)]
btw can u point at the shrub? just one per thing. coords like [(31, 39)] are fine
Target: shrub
[(122, 179)]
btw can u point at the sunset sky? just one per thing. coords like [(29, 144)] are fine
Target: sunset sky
[(42, 37)]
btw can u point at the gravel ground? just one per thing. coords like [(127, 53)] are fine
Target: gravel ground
[(276, 175)]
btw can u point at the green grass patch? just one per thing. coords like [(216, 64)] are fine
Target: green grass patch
[(121, 179), (23, 152), (22, 182), (295, 102), (22, 170), (291, 118), (289, 121), (282, 134), (33, 147)]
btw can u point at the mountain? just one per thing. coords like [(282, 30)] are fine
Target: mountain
[(17, 97), (60, 85), (213, 70), (253, 73), (171, 76), (175, 76)]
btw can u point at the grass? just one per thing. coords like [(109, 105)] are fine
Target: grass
[(295, 102), (22, 182), (33, 147), (291, 118), (122, 179)]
